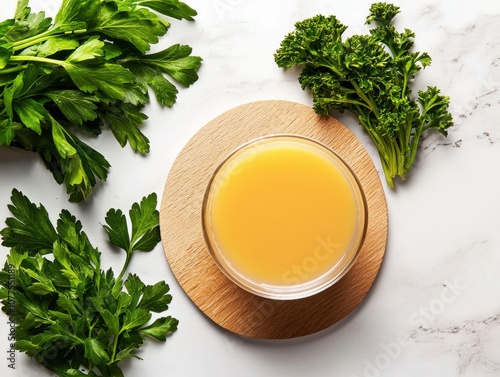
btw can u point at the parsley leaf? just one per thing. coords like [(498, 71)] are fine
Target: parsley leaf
[(76, 106), (30, 228), (172, 8), (175, 61), (125, 124), (86, 70), (159, 328), (145, 232), (71, 316), (138, 26)]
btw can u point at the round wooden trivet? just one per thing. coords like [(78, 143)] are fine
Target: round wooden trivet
[(180, 220)]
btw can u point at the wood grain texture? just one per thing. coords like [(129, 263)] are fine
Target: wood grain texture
[(180, 219)]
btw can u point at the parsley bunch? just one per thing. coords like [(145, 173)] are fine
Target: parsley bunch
[(369, 76), (73, 317), (87, 69)]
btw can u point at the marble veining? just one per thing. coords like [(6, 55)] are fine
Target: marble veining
[(474, 342)]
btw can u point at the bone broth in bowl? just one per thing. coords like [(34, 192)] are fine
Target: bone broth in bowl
[(284, 217)]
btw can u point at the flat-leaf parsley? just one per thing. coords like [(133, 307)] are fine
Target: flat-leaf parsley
[(86, 69), (73, 317)]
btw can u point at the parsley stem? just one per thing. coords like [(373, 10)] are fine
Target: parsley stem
[(353, 102), (365, 98), (40, 38), (24, 43), (414, 147), (125, 266), (37, 59), (115, 347), (13, 69), (333, 68)]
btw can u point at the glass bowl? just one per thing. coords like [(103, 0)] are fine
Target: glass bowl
[(284, 217)]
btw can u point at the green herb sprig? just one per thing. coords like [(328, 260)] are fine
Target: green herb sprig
[(72, 316), (85, 70), (369, 76)]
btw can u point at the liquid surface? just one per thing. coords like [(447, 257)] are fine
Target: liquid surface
[(282, 212)]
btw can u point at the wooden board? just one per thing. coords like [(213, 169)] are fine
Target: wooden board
[(180, 220)]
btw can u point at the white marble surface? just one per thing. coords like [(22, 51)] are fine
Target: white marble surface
[(435, 307)]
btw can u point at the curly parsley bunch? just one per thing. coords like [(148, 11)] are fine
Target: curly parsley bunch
[(369, 76)]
